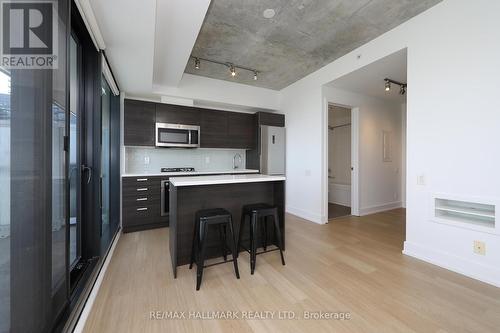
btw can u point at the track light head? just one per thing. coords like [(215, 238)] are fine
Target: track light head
[(387, 85), (197, 63)]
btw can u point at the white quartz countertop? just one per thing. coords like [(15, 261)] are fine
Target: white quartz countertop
[(223, 179), (191, 173)]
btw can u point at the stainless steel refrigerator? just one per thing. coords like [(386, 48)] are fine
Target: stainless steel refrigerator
[(272, 156)]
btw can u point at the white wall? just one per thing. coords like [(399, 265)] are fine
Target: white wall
[(379, 180), (453, 127)]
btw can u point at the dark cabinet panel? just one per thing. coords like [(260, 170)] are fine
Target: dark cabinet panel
[(241, 130), (177, 114), (271, 119), (213, 129), (218, 129), (142, 203), (139, 123)]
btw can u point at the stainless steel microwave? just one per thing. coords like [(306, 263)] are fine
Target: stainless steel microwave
[(176, 135)]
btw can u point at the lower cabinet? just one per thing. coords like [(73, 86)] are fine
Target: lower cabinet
[(141, 203)]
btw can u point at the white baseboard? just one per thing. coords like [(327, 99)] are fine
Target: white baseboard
[(95, 289), (305, 214), (485, 273), (379, 208)]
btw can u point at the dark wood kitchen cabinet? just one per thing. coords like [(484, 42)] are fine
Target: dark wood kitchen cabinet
[(177, 114), (270, 119), (213, 129), (139, 123), (218, 129), (241, 130), (223, 129), (141, 197)]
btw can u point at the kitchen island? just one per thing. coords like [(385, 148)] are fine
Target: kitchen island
[(231, 192)]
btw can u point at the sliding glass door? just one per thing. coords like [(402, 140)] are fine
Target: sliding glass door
[(75, 169), (5, 225)]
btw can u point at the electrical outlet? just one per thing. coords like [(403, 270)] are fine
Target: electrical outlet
[(480, 247)]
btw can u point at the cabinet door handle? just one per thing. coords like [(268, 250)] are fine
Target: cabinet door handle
[(142, 179), (143, 208), (142, 189), (142, 199)]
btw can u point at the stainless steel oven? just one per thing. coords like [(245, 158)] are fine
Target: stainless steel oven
[(177, 135), (165, 197)]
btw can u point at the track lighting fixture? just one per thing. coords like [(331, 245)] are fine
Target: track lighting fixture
[(232, 67), (402, 86)]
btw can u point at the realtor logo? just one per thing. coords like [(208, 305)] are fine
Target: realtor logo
[(29, 34)]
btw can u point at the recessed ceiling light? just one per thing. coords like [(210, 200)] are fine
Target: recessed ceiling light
[(269, 13)]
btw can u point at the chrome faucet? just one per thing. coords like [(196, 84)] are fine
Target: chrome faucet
[(236, 157)]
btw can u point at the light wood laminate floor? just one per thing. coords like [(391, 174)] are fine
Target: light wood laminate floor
[(350, 265)]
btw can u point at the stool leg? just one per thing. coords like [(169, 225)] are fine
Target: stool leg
[(240, 233), (201, 257), (223, 241), (233, 248), (194, 246), (253, 241), (278, 236)]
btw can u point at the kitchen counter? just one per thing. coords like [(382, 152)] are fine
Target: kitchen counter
[(223, 179), (190, 173), (187, 195)]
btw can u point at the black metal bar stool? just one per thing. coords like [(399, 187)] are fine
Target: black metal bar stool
[(259, 214), (203, 219)]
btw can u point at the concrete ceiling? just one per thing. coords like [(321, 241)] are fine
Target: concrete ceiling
[(302, 37), (369, 80)]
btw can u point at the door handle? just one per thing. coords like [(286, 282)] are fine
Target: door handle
[(89, 169)]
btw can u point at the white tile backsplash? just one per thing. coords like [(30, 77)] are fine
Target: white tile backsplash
[(151, 160)]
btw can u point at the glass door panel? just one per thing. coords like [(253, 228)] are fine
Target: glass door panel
[(4, 201), (105, 156), (74, 153)]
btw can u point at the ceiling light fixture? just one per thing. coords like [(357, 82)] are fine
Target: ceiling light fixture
[(232, 67), (269, 13), (402, 86)]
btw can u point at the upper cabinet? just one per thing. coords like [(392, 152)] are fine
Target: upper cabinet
[(213, 131), (139, 123), (270, 119), (218, 129), (177, 114), (241, 130)]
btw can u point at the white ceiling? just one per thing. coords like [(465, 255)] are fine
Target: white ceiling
[(148, 42), (369, 80), (127, 27)]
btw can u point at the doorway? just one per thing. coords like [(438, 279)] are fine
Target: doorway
[(376, 95), (339, 161)]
